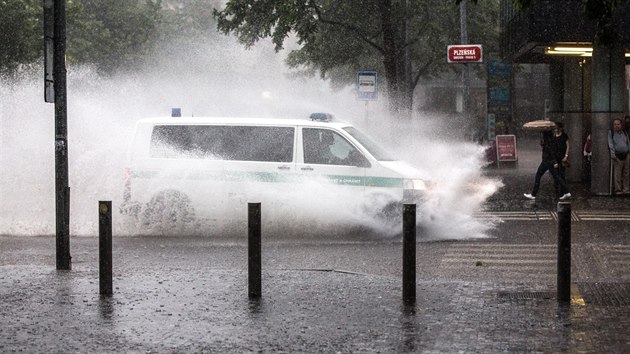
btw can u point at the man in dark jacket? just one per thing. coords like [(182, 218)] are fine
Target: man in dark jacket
[(555, 151)]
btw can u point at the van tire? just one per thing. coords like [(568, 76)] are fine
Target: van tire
[(168, 210), (391, 212), (382, 208)]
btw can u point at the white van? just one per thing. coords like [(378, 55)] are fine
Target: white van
[(181, 169)]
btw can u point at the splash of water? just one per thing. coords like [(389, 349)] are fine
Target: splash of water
[(220, 80)]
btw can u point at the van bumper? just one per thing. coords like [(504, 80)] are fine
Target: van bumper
[(414, 196)]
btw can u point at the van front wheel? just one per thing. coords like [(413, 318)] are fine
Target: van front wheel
[(384, 209), (168, 210)]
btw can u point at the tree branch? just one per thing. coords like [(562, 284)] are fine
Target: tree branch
[(416, 77), (357, 31)]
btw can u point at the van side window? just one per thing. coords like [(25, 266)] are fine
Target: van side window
[(326, 147), (251, 143), (241, 143)]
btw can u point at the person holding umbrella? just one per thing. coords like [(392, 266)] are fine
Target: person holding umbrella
[(555, 152)]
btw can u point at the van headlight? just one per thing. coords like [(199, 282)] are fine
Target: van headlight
[(415, 184), (415, 190)]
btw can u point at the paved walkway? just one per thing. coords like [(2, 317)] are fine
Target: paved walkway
[(519, 178)]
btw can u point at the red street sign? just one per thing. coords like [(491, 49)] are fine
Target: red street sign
[(465, 53)]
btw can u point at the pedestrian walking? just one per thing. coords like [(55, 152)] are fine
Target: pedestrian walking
[(555, 152), (619, 145)]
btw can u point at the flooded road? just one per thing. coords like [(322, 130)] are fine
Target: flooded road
[(333, 295)]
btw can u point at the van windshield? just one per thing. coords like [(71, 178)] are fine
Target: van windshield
[(376, 150)]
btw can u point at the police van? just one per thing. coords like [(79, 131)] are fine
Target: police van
[(181, 169)]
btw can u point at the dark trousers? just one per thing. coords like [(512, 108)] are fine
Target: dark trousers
[(556, 184), (558, 178)]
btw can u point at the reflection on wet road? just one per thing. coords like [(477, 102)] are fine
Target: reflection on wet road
[(539, 215)]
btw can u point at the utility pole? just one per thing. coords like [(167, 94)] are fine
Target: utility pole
[(466, 73), (408, 84), (62, 190)]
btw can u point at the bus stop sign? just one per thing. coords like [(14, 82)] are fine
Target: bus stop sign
[(367, 85)]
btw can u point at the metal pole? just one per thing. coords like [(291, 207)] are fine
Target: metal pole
[(367, 117), (62, 191), (564, 252), (409, 253), (253, 250), (463, 15), (105, 247)]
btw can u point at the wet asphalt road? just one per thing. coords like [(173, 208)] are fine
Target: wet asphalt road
[(174, 294), (190, 295)]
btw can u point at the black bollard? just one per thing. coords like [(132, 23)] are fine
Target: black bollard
[(253, 249), (64, 260), (564, 252), (409, 253), (105, 247)]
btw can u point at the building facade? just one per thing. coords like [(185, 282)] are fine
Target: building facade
[(587, 76)]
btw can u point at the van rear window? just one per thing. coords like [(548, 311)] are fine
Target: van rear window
[(242, 143)]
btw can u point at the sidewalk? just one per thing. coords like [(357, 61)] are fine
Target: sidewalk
[(519, 178)]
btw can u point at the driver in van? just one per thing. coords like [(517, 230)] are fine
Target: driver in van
[(319, 145), (327, 140)]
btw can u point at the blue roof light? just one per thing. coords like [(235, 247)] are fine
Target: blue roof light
[(321, 117)]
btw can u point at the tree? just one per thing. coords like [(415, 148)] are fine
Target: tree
[(112, 34), (106, 33), (20, 31), (187, 19), (405, 39), (601, 11)]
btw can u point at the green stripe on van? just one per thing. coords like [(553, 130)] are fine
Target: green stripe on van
[(275, 177), (390, 182), (344, 180), (369, 181), (269, 177)]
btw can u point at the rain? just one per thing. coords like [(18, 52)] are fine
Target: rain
[(217, 78), (325, 269)]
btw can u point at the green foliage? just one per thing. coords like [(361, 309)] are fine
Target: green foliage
[(187, 20), (339, 37), (20, 33), (336, 38), (253, 20), (112, 34), (108, 34), (601, 11)]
